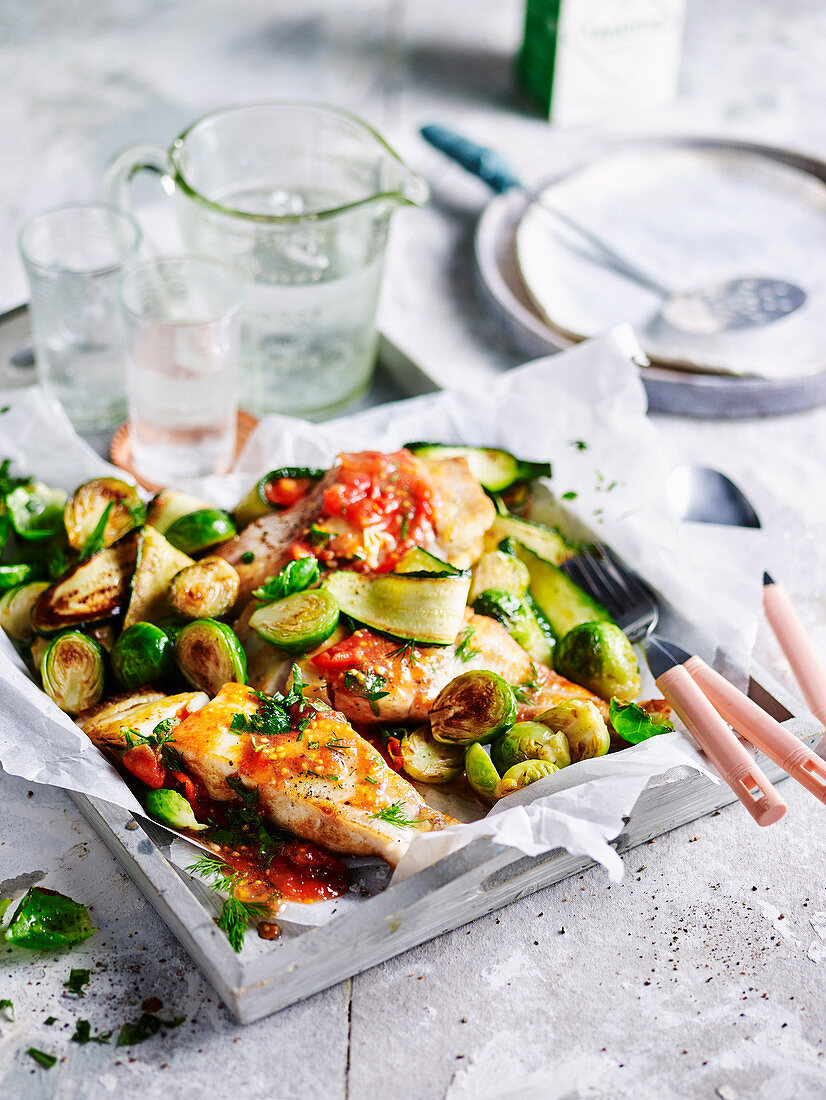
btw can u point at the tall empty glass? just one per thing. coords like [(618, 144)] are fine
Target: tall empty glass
[(182, 331), (74, 256), (298, 198)]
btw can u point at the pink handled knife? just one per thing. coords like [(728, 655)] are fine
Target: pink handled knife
[(788, 630)]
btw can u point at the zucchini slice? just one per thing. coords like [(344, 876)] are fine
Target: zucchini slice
[(548, 542), (417, 560), (88, 503), (95, 589), (504, 572), (416, 607), (157, 564), (299, 622), (563, 603), (209, 655), (170, 505), (262, 497), (494, 468)]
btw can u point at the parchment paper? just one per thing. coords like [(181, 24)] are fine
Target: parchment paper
[(591, 395)]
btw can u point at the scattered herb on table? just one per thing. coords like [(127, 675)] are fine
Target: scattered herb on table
[(50, 1020), (580, 444), (633, 724), (7, 1008), (41, 1057), (77, 980), (570, 495), (236, 915), (147, 1025), (45, 920), (83, 1034)]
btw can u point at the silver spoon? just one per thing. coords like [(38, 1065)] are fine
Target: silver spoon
[(750, 301), (700, 494)]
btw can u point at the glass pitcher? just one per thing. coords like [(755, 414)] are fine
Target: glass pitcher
[(298, 198)]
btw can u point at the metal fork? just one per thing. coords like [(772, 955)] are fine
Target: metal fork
[(633, 607)]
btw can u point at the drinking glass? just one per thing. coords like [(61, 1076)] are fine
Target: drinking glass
[(182, 356), (74, 256), (297, 197)]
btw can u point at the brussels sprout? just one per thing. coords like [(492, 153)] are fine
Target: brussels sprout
[(501, 571), (298, 623), (522, 775), (518, 618), (169, 505), (12, 576), (200, 530), (88, 503), (171, 627), (599, 657), (205, 590), (16, 609), (209, 655), (530, 741), (474, 706), (36, 511), (583, 726), (72, 671), (481, 773), (171, 808), (143, 654), (428, 761)]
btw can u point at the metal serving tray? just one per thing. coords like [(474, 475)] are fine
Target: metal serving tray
[(267, 976)]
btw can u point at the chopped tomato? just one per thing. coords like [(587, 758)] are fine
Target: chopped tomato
[(286, 491), (144, 764), (361, 650), (190, 793)]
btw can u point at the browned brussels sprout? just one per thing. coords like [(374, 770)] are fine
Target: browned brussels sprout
[(205, 590)]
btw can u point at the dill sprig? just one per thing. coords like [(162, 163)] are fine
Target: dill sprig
[(236, 915), (395, 814), (405, 653), (464, 650)]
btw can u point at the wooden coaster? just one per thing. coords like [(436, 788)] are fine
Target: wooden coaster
[(120, 449)]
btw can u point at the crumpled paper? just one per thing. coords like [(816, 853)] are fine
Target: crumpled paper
[(584, 410)]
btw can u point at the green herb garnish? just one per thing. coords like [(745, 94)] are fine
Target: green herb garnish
[(580, 444), (570, 495), (41, 1057), (7, 1008), (94, 543), (405, 653), (395, 814), (83, 1034), (50, 1020), (633, 724), (366, 685), (45, 920), (464, 650), (235, 915), (296, 576), (147, 1025), (77, 980), (247, 557)]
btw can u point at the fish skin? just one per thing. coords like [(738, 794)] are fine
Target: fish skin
[(334, 807), (413, 684)]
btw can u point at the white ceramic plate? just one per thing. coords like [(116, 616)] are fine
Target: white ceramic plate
[(690, 217)]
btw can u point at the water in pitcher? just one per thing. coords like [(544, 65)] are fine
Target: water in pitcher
[(308, 321)]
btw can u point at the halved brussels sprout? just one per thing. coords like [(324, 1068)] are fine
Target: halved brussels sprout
[(298, 623), (200, 530), (427, 761), (88, 503), (169, 505), (474, 706), (504, 572), (530, 741), (522, 775), (209, 655), (36, 511), (142, 655), (583, 726), (205, 590), (16, 609), (72, 671), (599, 657), (171, 808), (481, 773)]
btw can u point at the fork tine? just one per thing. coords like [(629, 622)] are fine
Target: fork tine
[(624, 595)]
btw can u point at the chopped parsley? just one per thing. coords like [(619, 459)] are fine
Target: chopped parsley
[(367, 685), (318, 536), (83, 1034), (50, 1020), (7, 1008), (77, 980), (147, 1025), (395, 814), (580, 444), (464, 650), (247, 557), (570, 495), (235, 914), (41, 1057)]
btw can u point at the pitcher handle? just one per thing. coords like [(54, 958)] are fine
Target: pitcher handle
[(126, 164)]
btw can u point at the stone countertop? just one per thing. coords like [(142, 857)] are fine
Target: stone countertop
[(702, 973)]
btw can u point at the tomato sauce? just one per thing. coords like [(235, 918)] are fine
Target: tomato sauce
[(379, 507), (300, 871)]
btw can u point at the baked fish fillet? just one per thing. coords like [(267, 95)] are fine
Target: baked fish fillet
[(413, 676), (324, 783), (140, 711)]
